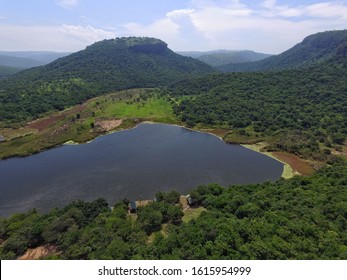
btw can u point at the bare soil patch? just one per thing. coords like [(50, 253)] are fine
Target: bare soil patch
[(107, 125), (220, 132), (297, 164), (44, 123), (39, 252)]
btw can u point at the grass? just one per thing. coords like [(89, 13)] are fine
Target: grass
[(157, 109), (12, 133), (192, 213)]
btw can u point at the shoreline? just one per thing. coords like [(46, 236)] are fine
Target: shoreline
[(288, 171)]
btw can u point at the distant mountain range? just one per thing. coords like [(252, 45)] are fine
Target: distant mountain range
[(136, 62), (12, 62), (6, 71), (314, 48), (222, 57), (29, 58)]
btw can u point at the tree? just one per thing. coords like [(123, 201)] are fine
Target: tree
[(149, 219)]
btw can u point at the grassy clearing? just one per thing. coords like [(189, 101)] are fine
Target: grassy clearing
[(156, 109), (192, 213), (12, 133)]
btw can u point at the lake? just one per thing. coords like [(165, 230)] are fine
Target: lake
[(133, 164)]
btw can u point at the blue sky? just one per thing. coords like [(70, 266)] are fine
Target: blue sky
[(268, 26)]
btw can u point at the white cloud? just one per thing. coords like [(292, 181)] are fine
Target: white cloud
[(327, 10), (179, 13), (331, 9), (67, 4), (164, 28), (54, 38), (269, 4), (87, 33), (266, 26)]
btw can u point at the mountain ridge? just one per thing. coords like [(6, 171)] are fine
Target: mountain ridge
[(314, 48)]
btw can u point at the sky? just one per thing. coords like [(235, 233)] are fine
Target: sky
[(267, 26)]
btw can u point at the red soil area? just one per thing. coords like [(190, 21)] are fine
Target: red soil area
[(42, 124), (296, 163)]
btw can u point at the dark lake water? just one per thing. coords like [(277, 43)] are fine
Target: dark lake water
[(133, 164)]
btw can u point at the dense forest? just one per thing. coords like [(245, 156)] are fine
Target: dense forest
[(306, 109), (300, 218)]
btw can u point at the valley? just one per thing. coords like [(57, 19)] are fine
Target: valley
[(291, 106)]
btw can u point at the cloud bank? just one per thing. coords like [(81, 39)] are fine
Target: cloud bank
[(238, 25), (265, 25), (54, 38)]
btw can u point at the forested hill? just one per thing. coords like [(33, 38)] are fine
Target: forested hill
[(314, 48), (103, 67)]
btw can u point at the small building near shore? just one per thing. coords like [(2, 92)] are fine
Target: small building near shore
[(191, 201), (132, 207)]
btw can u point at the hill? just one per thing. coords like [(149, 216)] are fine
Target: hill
[(101, 68), (223, 57), (314, 48)]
